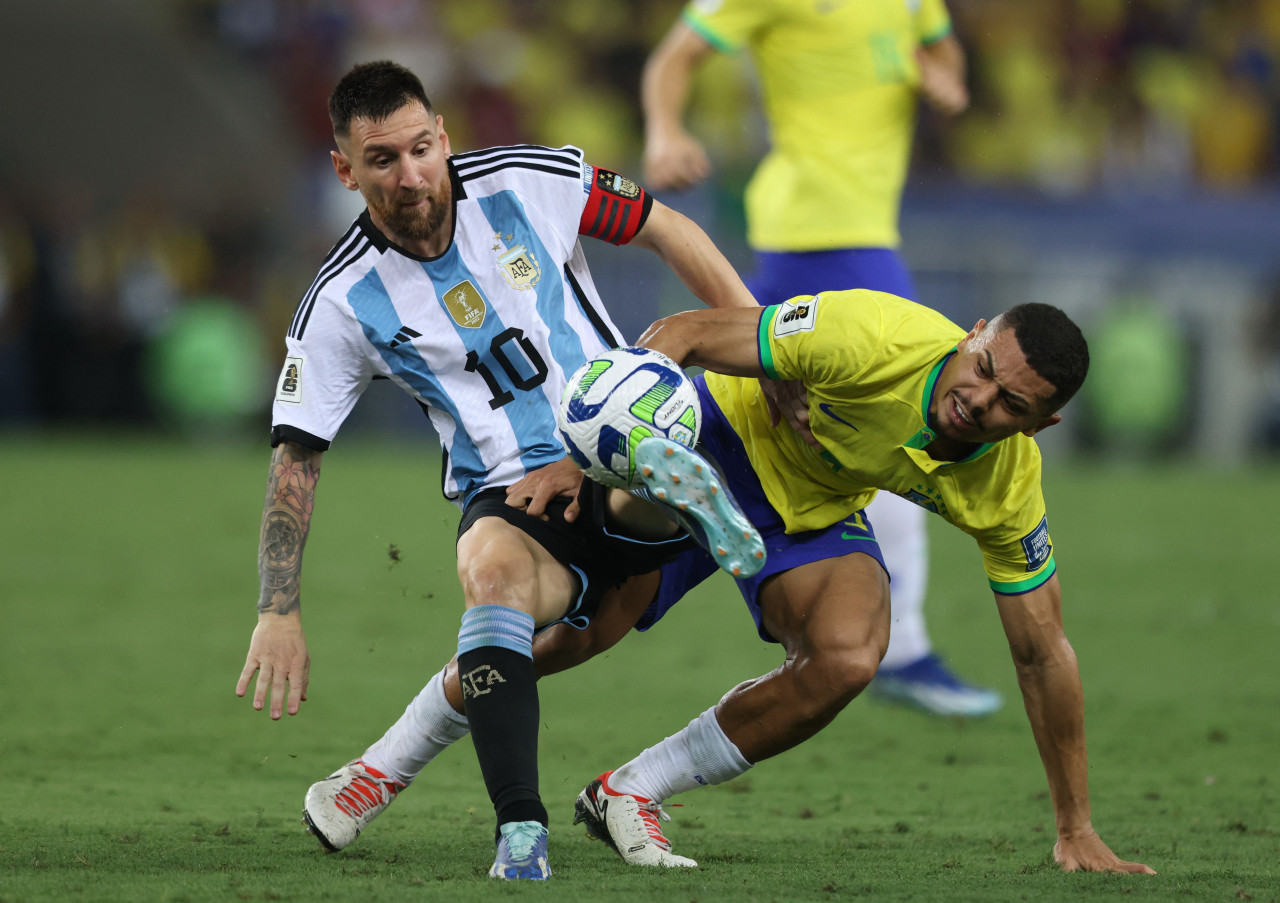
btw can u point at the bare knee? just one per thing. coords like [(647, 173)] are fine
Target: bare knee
[(830, 677), (833, 618), (774, 713), (490, 580), (494, 565)]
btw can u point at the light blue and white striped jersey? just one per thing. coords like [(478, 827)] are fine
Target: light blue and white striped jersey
[(484, 337)]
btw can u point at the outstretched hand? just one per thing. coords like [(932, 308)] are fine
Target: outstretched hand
[(537, 488), (278, 654), (1087, 853)]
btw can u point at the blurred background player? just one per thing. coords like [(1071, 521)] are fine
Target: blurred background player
[(839, 82)]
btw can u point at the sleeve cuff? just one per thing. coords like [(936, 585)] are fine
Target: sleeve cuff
[(282, 432), (1018, 587)]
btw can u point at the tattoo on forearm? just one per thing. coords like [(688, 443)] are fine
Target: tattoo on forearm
[(291, 489)]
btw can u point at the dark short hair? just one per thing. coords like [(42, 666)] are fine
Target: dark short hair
[(373, 91), (1053, 344)]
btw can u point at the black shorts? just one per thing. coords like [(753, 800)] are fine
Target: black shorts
[(599, 559)]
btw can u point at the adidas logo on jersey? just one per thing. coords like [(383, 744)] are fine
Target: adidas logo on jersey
[(404, 334)]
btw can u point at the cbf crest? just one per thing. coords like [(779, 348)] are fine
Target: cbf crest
[(465, 304), (520, 268)]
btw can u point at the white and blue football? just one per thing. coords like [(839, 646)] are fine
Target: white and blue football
[(617, 399)]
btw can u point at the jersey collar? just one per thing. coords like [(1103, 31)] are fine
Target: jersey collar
[(915, 446), (384, 244)]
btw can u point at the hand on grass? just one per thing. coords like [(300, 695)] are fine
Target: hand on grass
[(537, 488), (278, 653), (1087, 853)]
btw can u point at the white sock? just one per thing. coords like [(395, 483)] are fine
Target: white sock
[(427, 728), (699, 755), (900, 530)]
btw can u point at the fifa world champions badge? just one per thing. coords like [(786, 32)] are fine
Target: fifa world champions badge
[(465, 304), (520, 268)]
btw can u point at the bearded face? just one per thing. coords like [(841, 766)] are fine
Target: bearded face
[(400, 165), (410, 217)]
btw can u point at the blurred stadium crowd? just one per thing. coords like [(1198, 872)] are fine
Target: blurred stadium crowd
[(137, 306)]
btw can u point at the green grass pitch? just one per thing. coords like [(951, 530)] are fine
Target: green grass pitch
[(131, 771)]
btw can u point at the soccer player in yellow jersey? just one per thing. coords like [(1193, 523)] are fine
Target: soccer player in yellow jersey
[(902, 400), (840, 82)]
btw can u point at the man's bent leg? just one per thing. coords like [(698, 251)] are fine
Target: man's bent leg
[(495, 665), (338, 808), (342, 805), (510, 584), (691, 492), (832, 617), (430, 725)]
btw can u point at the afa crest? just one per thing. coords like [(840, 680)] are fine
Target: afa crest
[(520, 268), (610, 181), (465, 304)]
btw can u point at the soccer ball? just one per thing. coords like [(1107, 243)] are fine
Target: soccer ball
[(615, 400)]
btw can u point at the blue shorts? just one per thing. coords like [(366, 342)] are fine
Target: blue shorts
[(781, 275), (784, 551)]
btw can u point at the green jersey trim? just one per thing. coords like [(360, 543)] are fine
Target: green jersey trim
[(941, 33), (704, 31), (925, 436), (929, 383), (762, 340), (1018, 587)]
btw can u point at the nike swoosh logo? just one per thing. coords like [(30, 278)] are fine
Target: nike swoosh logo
[(826, 409)]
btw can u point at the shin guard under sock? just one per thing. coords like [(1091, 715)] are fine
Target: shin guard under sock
[(499, 689)]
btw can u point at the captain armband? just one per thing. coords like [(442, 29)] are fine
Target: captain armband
[(616, 207)]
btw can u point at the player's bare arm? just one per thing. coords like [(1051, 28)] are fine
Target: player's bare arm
[(278, 648), (1049, 678), (286, 521), (682, 245), (673, 158), (723, 340)]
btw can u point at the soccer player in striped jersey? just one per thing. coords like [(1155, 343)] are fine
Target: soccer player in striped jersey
[(839, 84), (464, 283)]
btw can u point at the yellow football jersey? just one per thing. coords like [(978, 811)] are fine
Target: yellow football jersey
[(839, 80), (870, 362)]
